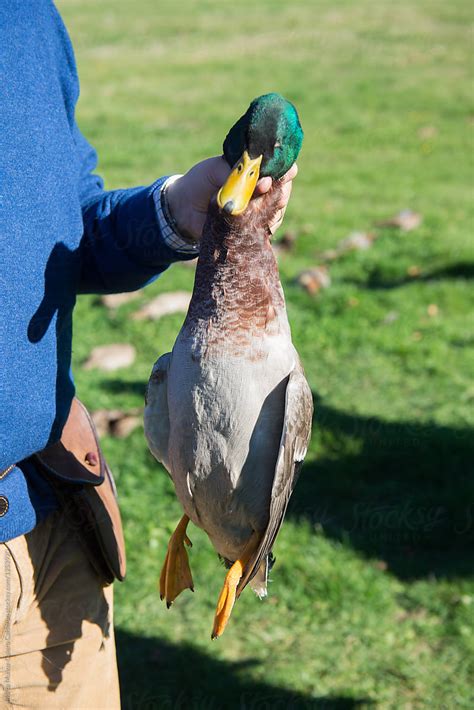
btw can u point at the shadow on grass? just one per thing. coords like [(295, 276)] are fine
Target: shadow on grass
[(401, 492), (460, 271), (156, 674)]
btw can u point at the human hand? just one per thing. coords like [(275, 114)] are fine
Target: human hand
[(189, 195)]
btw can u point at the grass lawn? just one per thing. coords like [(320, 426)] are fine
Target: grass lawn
[(372, 598)]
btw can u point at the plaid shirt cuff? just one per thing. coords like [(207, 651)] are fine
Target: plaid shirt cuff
[(167, 224)]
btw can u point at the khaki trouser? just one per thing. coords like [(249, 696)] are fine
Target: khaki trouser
[(57, 646)]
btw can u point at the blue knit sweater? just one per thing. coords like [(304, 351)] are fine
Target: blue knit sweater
[(61, 234)]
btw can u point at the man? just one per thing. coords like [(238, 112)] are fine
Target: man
[(62, 234)]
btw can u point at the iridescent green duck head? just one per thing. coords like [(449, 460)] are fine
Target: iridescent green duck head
[(265, 141)]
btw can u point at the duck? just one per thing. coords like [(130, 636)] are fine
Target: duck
[(228, 412)]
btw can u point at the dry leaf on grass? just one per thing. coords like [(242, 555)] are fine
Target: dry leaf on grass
[(355, 241), (406, 220), (110, 357), (285, 244), (115, 422), (313, 280), (164, 305), (329, 255), (427, 132), (114, 300), (414, 271), (391, 317)]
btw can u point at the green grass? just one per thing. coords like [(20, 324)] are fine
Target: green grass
[(372, 598)]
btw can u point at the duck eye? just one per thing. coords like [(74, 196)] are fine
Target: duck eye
[(240, 167)]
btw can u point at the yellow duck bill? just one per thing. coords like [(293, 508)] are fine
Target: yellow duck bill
[(236, 192)]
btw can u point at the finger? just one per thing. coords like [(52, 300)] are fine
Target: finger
[(290, 174), (265, 183), (275, 227), (263, 186), (285, 195), (283, 200), (278, 221)]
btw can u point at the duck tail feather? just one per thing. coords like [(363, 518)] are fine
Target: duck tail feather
[(260, 580)]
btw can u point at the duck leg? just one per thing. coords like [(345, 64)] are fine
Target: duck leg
[(227, 596), (176, 574)]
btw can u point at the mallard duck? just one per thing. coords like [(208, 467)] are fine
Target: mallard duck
[(228, 411)]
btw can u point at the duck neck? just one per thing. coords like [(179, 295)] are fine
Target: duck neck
[(237, 290)]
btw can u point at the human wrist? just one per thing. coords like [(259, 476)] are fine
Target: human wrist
[(169, 227), (178, 209)]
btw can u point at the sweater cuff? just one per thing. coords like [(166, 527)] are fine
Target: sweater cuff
[(168, 228)]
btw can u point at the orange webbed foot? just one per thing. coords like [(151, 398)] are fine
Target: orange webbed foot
[(176, 574), (228, 594), (226, 599)]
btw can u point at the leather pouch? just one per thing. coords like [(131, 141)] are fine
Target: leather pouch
[(85, 486)]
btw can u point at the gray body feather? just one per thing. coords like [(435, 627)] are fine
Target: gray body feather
[(217, 425)]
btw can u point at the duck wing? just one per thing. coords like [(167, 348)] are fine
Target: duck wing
[(293, 447), (156, 415)]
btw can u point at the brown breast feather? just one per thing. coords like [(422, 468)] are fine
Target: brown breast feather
[(237, 294)]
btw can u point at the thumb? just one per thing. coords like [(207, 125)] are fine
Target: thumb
[(217, 171)]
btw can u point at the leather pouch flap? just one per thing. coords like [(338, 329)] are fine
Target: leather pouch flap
[(78, 453)]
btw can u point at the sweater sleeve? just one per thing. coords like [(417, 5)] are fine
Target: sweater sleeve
[(124, 244)]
